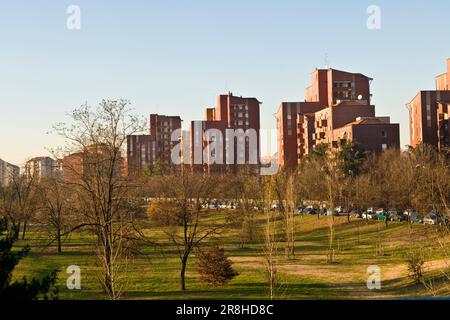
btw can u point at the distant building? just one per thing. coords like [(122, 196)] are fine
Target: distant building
[(43, 167), (87, 163), (8, 172), (233, 114), (429, 115), (154, 148), (141, 153), (337, 108), (161, 129)]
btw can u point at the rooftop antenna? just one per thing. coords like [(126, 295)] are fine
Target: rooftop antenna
[(326, 61)]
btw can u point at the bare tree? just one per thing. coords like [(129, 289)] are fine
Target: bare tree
[(186, 194), (289, 214), (270, 246), (55, 210), (24, 202), (95, 141)]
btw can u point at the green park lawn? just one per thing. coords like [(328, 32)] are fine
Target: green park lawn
[(154, 272)]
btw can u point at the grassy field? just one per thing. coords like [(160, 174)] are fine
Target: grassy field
[(154, 274)]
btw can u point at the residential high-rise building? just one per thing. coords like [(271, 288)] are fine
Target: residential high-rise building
[(336, 101), (8, 172), (153, 148), (161, 129), (141, 153), (42, 167), (429, 115), (236, 121)]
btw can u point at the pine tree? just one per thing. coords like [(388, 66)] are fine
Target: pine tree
[(24, 289), (214, 267)]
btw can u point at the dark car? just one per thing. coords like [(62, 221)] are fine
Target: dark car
[(311, 211), (394, 215), (300, 209)]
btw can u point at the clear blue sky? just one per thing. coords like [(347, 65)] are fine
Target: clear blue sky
[(175, 57)]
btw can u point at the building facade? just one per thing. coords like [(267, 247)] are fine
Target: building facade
[(8, 172), (43, 167), (334, 103), (91, 162), (429, 115), (228, 137), (141, 153), (145, 151)]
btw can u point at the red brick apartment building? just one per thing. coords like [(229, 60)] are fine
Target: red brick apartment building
[(86, 163), (156, 147), (337, 107), (231, 112), (429, 114)]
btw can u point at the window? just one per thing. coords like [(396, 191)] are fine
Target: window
[(384, 134)]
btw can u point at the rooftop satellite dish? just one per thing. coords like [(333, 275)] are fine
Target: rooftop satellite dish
[(360, 97)]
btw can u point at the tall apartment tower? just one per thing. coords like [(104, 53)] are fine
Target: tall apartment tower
[(161, 129), (336, 103), (234, 113), (156, 147), (429, 114)]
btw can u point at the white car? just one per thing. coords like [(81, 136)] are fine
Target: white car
[(369, 215), (432, 219)]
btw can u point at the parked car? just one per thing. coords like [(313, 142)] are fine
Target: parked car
[(213, 205), (275, 207), (409, 212), (370, 216), (356, 213), (310, 210), (379, 211), (340, 209), (414, 217), (394, 215), (432, 219), (371, 210), (382, 216)]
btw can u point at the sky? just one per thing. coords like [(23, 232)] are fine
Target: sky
[(175, 57)]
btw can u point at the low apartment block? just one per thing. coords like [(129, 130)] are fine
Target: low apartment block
[(43, 167), (8, 172)]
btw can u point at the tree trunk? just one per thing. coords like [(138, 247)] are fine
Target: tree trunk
[(24, 230), (183, 273), (58, 239), (16, 231)]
